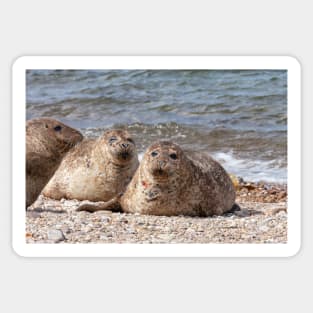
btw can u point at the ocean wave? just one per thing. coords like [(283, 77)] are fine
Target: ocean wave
[(252, 169), (249, 169)]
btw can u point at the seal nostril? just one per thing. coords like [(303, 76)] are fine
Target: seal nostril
[(125, 145), (161, 163)]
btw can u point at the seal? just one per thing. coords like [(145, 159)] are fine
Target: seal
[(47, 141), (95, 169), (170, 181)]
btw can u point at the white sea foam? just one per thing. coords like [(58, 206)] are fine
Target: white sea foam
[(252, 170), (140, 156), (249, 170)]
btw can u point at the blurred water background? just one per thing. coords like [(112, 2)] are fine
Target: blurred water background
[(238, 116)]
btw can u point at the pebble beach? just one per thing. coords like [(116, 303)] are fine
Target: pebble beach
[(262, 218)]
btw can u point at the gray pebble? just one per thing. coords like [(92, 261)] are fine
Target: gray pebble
[(130, 230), (106, 219), (55, 235), (264, 228), (33, 214)]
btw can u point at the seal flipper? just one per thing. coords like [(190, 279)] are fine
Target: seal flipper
[(111, 205), (233, 209)]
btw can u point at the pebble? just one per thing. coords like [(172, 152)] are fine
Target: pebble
[(130, 230), (65, 229), (55, 235), (264, 228), (33, 214), (105, 219)]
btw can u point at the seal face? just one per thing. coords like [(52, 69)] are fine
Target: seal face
[(95, 169), (47, 141), (170, 182)]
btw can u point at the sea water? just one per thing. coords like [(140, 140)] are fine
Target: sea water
[(238, 116)]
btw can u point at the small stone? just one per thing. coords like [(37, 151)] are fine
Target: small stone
[(124, 220), (33, 214), (264, 228), (130, 230), (66, 229), (88, 229), (55, 235), (164, 237), (106, 219), (281, 213), (279, 210), (190, 230)]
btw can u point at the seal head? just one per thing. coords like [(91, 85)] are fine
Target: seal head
[(47, 141), (119, 145)]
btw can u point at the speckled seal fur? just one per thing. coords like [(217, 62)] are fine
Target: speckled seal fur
[(96, 169), (172, 182), (47, 141)]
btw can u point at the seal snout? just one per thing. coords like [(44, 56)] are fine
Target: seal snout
[(75, 138), (163, 159), (125, 152), (120, 144), (161, 164), (160, 168)]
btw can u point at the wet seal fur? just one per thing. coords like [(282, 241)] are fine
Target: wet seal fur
[(47, 141), (96, 169), (172, 182)]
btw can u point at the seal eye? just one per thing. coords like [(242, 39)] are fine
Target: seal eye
[(112, 139), (57, 128), (130, 140), (154, 153), (173, 156)]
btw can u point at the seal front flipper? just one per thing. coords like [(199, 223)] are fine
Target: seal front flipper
[(234, 208), (90, 206)]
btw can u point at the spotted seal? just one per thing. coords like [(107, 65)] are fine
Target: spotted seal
[(47, 141), (96, 169), (172, 182)]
